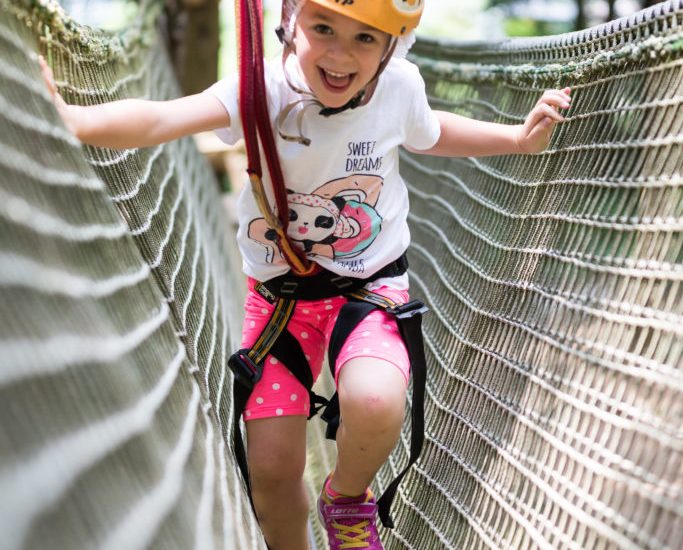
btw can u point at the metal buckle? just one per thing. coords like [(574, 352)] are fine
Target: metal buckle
[(341, 282), (409, 309), (245, 370), (289, 287)]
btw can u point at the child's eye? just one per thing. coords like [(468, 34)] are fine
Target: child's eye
[(366, 38), (322, 29)]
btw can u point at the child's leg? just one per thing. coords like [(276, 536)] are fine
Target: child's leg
[(276, 450), (372, 395), (372, 375), (275, 416)]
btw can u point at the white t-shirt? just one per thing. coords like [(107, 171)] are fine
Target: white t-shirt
[(348, 203)]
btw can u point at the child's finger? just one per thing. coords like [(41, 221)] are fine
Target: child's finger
[(534, 118), (552, 113), (540, 112), (556, 93), (48, 75), (557, 98), (564, 92), (540, 135)]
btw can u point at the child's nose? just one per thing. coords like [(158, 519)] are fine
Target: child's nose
[(338, 49)]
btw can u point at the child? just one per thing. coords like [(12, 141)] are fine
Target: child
[(342, 103)]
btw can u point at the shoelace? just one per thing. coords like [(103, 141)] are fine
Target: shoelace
[(352, 536)]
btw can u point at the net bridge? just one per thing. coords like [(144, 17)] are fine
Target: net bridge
[(554, 408)]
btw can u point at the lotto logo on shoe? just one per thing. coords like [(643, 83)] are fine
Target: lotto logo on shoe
[(408, 6), (344, 511)]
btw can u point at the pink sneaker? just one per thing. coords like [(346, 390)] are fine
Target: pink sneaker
[(350, 522)]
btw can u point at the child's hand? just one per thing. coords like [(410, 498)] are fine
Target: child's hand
[(534, 135), (67, 114)]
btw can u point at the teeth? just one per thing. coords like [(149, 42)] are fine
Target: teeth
[(336, 75)]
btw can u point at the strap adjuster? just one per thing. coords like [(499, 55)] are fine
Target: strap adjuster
[(288, 288), (408, 310), (341, 282), (245, 370)]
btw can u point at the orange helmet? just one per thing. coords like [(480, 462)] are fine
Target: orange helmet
[(395, 17)]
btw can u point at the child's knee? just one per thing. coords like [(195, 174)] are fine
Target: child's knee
[(274, 468), (371, 388), (372, 408), (276, 450)]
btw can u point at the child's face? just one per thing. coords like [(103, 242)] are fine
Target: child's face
[(338, 55)]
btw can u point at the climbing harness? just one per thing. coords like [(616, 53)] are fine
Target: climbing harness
[(247, 364)]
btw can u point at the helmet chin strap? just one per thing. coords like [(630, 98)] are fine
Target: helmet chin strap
[(288, 40)]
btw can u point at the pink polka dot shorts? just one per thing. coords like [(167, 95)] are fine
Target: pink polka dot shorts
[(279, 393)]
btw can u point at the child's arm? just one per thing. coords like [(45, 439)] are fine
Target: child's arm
[(466, 137), (133, 123)]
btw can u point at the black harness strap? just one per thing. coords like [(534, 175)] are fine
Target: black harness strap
[(409, 320), (350, 316), (247, 366), (288, 351), (327, 284)]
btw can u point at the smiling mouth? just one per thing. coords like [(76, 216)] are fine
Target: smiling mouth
[(336, 82)]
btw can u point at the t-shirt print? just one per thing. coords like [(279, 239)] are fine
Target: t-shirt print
[(337, 220)]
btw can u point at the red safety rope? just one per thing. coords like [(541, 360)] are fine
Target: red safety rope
[(258, 131)]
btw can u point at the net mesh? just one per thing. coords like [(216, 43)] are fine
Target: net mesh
[(554, 404), (555, 396), (117, 310)]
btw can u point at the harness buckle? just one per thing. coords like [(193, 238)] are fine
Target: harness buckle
[(408, 310), (341, 282), (245, 370), (289, 287)]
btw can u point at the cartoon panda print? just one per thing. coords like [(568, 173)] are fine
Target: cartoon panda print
[(337, 221)]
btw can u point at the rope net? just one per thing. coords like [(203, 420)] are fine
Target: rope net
[(116, 307), (555, 393), (554, 402)]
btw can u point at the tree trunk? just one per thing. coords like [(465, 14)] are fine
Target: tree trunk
[(191, 31), (611, 13), (580, 16)]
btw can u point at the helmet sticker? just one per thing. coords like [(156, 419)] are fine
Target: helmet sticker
[(408, 6)]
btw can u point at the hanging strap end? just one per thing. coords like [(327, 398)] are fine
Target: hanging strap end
[(386, 519)]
